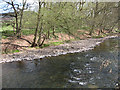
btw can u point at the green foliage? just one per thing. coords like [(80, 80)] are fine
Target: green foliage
[(4, 37), (28, 32), (52, 44), (85, 28), (67, 17), (56, 43), (29, 19), (10, 51), (6, 28), (118, 31), (15, 51), (45, 45), (8, 33), (97, 36)]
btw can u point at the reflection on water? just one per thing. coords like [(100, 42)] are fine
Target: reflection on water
[(97, 68)]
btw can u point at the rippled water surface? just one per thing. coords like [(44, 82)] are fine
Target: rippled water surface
[(96, 68)]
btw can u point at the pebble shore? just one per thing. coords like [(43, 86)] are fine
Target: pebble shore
[(72, 47)]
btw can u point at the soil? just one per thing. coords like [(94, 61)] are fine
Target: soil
[(23, 45)]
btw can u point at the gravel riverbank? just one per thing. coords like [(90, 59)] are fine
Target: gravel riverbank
[(72, 47)]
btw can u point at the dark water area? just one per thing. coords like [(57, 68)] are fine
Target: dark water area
[(97, 68)]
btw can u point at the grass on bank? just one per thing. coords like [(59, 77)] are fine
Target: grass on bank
[(52, 44), (10, 51), (6, 28), (9, 33)]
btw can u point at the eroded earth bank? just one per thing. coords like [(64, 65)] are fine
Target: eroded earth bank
[(72, 47)]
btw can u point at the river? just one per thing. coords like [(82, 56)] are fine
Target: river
[(97, 68)]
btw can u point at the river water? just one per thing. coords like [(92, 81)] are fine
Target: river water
[(97, 68)]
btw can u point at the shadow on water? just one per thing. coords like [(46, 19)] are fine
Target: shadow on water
[(96, 68)]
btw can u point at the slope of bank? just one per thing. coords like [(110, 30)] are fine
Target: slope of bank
[(72, 47)]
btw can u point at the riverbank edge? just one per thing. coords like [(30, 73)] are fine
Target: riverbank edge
[(73, 47)]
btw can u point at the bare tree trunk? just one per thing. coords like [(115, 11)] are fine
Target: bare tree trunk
[(13, 25), (94, 16), (91, 31), (17, 29), (40, 42), (21, 17), (48, 34), (37, 26), (40, 34), (53, 27), (100, 31), (16, 12), (44, 37), (16, 17)]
